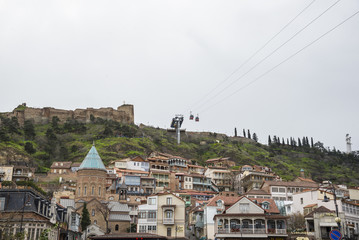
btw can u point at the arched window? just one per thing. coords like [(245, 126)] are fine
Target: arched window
[(85, 190), (116, 227), (95, 222), (93, 212), (79, 193), (93, 190), (99, 191)]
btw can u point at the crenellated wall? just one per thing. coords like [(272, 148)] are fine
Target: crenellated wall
[(123, 114)]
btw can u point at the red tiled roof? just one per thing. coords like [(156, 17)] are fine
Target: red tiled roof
[(197, 166), (257, 192), (306, 179), (291, 184), (272, 206), (320, 209), (228, 200), (311, 205)]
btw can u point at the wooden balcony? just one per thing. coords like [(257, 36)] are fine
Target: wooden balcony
[(255, 231)]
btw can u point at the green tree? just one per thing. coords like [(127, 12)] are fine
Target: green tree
[(244, 133), (3, 135), (269, 140), (107, 132), (85, 220), (133, 228), (29, 148), (55, 123), (29, 130), (255, 138), (249, 134), (235, 132)]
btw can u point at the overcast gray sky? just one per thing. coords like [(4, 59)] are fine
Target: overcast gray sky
[(166, 57)]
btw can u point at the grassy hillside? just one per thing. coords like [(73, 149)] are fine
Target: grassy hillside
[(40, 145)]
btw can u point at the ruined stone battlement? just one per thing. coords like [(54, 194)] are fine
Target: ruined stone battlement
[(123, 114)]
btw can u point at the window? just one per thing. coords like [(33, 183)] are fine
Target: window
[(99, 191), (169, 214), (73, 219), (282, 190), (169, 201), (93, 212), (95, 222), (244, 207), (116, 227), (151, 201), (2, 203), (152, 214), (93, 190), (274, 189), (301, 200), (85, 190), (169, 233), (219, 203), (265, 205)]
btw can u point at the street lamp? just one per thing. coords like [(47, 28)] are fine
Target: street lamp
[(326, 199)]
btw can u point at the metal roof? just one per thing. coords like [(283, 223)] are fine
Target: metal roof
[(119, 217), (118, 207), (92, 160)]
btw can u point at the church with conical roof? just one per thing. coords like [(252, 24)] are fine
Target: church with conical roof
[(91, 189), (91, 177)]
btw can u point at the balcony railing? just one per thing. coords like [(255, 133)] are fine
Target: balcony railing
[(168, 221), (20, 174), (251, 231)]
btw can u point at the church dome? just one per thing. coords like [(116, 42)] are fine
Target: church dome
[(92, 161)]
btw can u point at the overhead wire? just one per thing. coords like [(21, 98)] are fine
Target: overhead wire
[(271, 53), (253, 55), (285, 60)]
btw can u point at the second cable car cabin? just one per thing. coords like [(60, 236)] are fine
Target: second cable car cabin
[(191, 117)]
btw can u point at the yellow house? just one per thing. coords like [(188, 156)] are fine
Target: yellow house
[(6, 173), (164, 214)]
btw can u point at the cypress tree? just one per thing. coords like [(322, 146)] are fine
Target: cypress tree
[(283, 141), (299, 143), (311, 142), (287, 141), (85, 220), (255, 138), (249, 134), (269, 140), (235, 132), (244, 133)]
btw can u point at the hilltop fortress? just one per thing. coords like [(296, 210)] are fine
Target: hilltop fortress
[(123, 114)]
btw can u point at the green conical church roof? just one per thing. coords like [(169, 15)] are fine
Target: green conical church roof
[(92, 160)]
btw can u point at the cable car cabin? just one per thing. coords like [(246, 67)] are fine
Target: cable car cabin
[(197, 119), (191, 117)]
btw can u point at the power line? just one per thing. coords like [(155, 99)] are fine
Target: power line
[(285, 60), (274, 51), (253, 55)]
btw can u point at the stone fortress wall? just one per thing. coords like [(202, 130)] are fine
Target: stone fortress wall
[(123, 114)]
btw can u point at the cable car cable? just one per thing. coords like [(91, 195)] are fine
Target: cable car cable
[(253, 55), (274, 51), (285, 60)]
